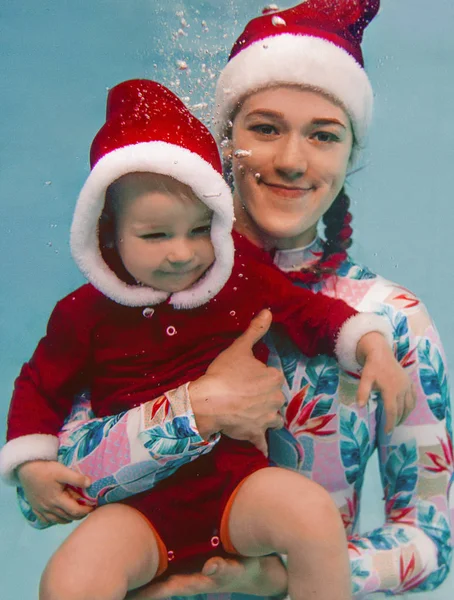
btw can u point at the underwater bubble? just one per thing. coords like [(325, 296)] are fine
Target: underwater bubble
[(242, 153), (148, 312), (232, 313), (199, 106), (171, 330), (48, 183), (269, 8), (278, 21), (257, 176), (182, 65)]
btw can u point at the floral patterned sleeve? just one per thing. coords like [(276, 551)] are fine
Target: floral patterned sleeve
[(131, 452), (412, 551)]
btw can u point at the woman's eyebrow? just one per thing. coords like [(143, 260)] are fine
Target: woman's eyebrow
[(328, 122), (263, 112)]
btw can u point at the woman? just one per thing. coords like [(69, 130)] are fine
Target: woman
[(295, 127)]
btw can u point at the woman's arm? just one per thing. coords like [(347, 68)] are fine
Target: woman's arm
[(129, 453), (412, 551)]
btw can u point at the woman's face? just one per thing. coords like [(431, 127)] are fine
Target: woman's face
[(298, 145)]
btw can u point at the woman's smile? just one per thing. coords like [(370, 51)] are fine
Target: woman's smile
[(286, 191)]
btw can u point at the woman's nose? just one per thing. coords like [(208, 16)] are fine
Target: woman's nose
[(291, 160)]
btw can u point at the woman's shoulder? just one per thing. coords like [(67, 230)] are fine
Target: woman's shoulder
[(369, 291)]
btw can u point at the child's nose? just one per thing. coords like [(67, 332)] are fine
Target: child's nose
[(181, 252)]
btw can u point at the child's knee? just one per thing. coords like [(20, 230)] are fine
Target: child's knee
[(63, 580)]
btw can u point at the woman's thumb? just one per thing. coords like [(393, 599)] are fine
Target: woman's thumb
[(258, 327)]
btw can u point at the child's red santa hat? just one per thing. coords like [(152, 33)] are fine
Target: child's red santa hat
[(148, 129), (316, 45)]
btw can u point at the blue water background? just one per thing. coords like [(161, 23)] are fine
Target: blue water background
[(57, 60)]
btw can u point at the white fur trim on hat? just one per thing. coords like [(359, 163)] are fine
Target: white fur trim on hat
[(352, 331), (36, 446), (296, 59), (166, 159)]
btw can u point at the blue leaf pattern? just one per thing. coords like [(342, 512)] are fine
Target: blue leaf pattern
[(433, 378), (401, 474), (354, 271), (359, 574), (355, 449), (288, 354), (86, 438), (323, 375)]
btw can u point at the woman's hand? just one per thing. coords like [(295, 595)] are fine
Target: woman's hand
[(264, 576), (383, 372), (45, 487), (239, 395)]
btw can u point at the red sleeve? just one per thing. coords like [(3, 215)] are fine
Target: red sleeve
[(312, 320), (43, 392)]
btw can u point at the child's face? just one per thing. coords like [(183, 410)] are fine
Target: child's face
[(163, 237)]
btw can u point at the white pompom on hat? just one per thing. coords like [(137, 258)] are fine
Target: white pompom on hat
[(148, 129), (316, 44)]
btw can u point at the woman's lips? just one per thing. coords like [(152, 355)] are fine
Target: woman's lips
[(287, 191)]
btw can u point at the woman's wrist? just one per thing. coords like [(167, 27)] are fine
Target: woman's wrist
[(200, 399)]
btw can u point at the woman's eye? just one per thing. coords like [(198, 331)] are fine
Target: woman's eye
[(202, 230), (325, 136), (265, 129)]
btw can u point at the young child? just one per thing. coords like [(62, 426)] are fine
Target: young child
[(152, 233)]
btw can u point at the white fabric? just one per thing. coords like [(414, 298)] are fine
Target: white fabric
[(352, 331), (37, 446)]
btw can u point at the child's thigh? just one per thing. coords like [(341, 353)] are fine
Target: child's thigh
[(275, 506), (114, 548)]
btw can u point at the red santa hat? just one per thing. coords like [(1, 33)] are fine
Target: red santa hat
[(148, 129), (315, 44)]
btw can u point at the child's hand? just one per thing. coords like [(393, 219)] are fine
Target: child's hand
[(45, 487), (382, 371)]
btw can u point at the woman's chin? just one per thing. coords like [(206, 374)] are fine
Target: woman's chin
[(288, 235)]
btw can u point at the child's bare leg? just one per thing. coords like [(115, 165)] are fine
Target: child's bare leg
[(112, 551), (277, 510)]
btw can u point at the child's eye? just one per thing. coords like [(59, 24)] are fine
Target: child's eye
[(325, 136), (265, 129), (202, 230), (156, 235)]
